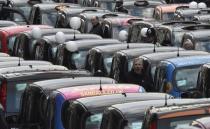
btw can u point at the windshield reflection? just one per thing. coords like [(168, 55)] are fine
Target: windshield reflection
[(203, 46), (49, 18), (186, 78), (79, 59)]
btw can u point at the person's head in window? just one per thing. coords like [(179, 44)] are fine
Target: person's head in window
[(138, 65), (188, 45), (94, 20)]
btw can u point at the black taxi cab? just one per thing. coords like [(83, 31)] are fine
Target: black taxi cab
[(46, 47), (46, 13), (100, 58), (86, 113), (31, 115), (173, 116), (131, 115), (76, 58), (25, 42), (152, 60), (123, 60)]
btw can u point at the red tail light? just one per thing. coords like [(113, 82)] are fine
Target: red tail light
[(3, 94), (153, 125)]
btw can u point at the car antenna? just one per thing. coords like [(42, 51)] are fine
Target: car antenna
[(166, 104), (19, 57), (125, 95), (128, 46), (30, 66), (100, 85), (178, 51)]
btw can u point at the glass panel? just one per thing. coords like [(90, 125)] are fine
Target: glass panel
[(168, 16), (14, 93), (141, 12), (203, 46), (49, 18), (173, 123), (79, 59), (117, 29), (25, 10), (108, 63), (11, 41), (94, 121), (186, 78)]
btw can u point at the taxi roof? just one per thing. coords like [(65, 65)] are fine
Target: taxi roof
[(49, 6), (94, 90), (189, 61), (20, 28), (122, 21), (71, 36), (5, 23), (106, 100), (10, 58), (52, 31), (202, 34), (78, 81), (32, 68), (156, 57), (89, 43), (42, 75), (117, 47), (167, 8), (23, 63), (181, 110), (140, 51), (136, 107)]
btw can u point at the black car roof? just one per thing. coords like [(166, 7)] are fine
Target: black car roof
[(32, 68), (4, 23), (59, 83), (71, 36), (117, 47), (49, 6), (200, 34), (105, 100), (9, 58), (165, 55), (23, 63), (136, 107), (89, 43), (44, 75), (52, 31), (140, 51)]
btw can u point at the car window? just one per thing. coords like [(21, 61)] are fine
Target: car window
[(108, 63), (49, 18), (93, 121), (10, 44), (186, 78), (14, 93), (79, 58)]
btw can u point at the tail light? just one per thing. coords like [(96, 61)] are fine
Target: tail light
[(153, 125), (3, 93)]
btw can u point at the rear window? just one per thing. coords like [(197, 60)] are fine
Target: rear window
[(14, 93), (172, 123)]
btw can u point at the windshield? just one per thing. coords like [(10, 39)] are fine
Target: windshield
[(14, 93), (168, 16), (108, 63), (203, 46), (49, 18), (10, 44), (25, 9), (141, 12), (130, 64), (93, 121), (177, 39), (107, 5), (79, 59), (117, 29), (134, 122), (173, 123), (186, 78)]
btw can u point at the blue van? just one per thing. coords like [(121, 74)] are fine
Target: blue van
[(179, 75)]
